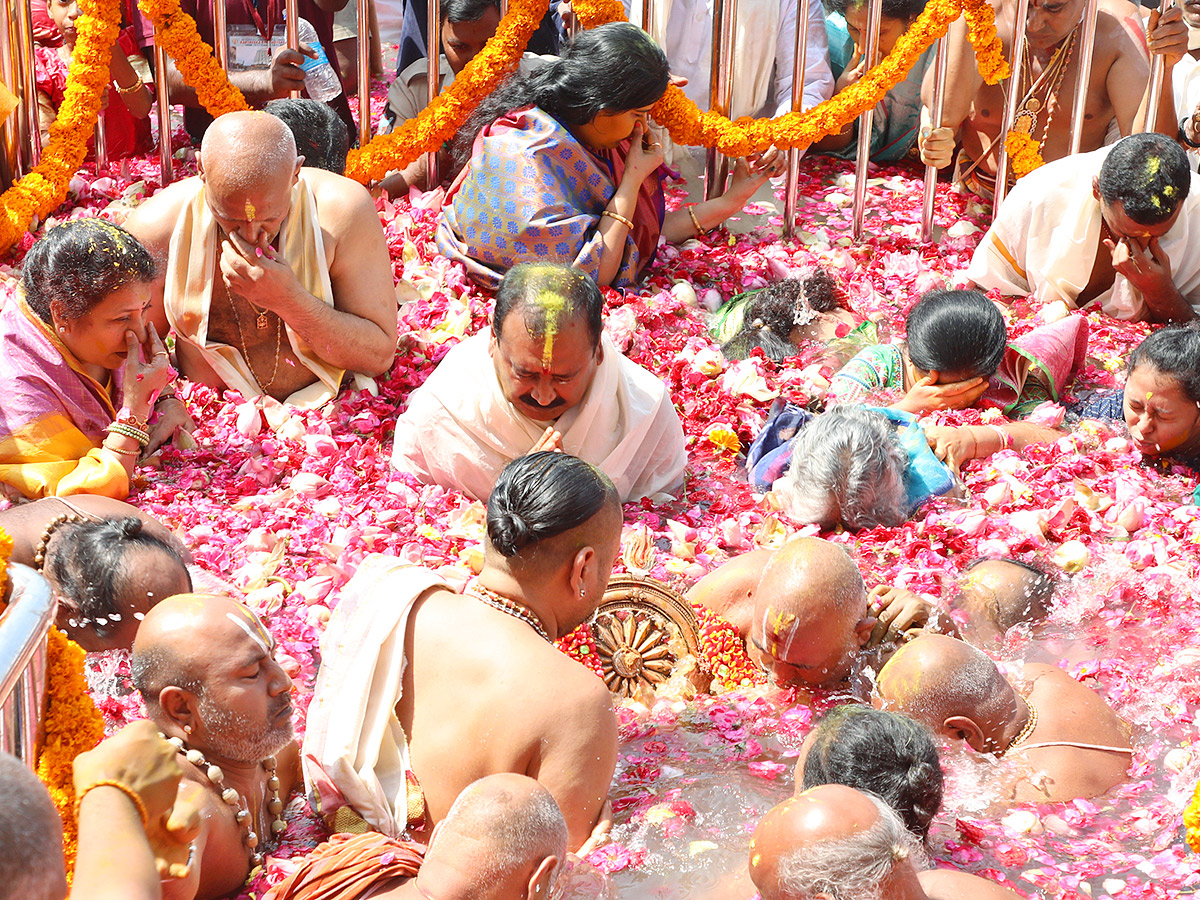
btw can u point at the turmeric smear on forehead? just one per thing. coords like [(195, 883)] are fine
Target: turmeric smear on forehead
[(553, 307), (250, 211)]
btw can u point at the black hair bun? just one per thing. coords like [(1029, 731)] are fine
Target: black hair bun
[(509, 533)]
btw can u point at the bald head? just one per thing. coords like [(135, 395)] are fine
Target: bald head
[(31, 854), (502, 833), (1002, 593), (247, 148), (938, 680), (810, 612), (831, 840)]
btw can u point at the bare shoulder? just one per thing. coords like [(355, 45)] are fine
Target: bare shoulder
[(153, 221), (948, 884), (340, 200), (1116, 37)]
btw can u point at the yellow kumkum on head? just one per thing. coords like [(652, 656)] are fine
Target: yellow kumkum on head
[(553, 306), (251, 212)]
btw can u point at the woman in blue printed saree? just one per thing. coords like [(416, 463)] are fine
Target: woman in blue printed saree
[(559, 166)]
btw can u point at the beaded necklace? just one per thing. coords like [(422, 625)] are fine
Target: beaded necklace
[(512, 607), (235, 800), (39, 553)]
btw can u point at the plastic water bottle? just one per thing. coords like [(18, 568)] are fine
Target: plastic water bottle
[(320, 80)]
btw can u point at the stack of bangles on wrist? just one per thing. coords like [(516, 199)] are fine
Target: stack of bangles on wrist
[(130, 426), (628, 223)]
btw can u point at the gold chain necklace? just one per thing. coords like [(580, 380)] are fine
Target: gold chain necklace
[(235, 800), (1030, 724), (262, 320), (512, 607), (1051, 77)]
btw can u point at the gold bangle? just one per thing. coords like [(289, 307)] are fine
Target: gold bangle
[(628, 223), (692, 213), (124, 789), (120, 452), (142, 437), (132, 89)]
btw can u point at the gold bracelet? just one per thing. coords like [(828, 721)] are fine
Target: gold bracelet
[(132, 89), (124, 789), (142, 437), (120, 452), (628, 223), (691, 212)]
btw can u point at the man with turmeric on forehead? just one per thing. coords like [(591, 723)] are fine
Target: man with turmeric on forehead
[(1118, 227), (543, 376)]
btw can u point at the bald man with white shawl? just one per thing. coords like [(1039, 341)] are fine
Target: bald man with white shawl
[(460, 430), (1045, 240)]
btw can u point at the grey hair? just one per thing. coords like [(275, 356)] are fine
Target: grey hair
[(31, 855), (848, 469), (850, 868), (520, 830)]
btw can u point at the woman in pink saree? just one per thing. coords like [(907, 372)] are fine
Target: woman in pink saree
[(559, 166), (81, 365)]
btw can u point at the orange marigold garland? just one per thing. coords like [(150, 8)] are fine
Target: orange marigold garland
[(450, 109), (688, 125), (176, 31), (1024, 153), (723, 653), (45, 188), (70, 725), (6, 549)]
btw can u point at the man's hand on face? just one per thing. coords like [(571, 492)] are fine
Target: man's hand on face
[(258, 273), (898, 611), (1147, 270)]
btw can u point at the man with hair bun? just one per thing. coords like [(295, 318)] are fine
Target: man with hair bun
[(543, 376), (1118, 226), (836, 843), (277, 278), (423, 689)]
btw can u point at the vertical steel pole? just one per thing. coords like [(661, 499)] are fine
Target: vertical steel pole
[(221, 34), (720, 85), (292, 23), (28, 93), (100, 144), (364, 72), (1156, 81), (1010, 106), (800, 50), (940, 64), (435, 80), (865, 122), (163, 92), (1084, 78), (10, 129)]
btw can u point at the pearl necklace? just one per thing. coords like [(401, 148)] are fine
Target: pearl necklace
[(512, 607), (235, 800)]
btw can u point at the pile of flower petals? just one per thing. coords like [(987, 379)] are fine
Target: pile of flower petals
[(284, 505)]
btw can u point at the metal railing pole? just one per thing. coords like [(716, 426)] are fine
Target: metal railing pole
[(720, 86), (792, 184), (291, 20), (1156, 81), (23, 628), (10, 129), (1010, 105), (364, 72), (221, 34), (163, 93), (940, 64), (28, 94), (435, 80), (1084, 78), (100, 145), (865, 123)]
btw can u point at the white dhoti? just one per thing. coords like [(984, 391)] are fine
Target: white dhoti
[(1045, 240), (459, 431), (355, 752)]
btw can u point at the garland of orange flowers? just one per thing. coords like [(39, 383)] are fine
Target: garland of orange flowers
[(176, 31), (1191, 820), (6, 549), (45, 188), (450, 109), (723, 652), (688, 125), (1024, 153), (71, 725)]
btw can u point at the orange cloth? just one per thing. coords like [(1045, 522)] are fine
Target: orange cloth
[(350, 866)]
